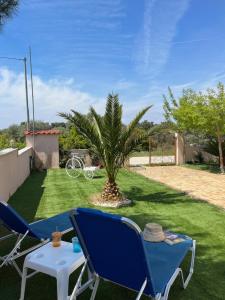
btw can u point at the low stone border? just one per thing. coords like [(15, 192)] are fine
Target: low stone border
[(113, 204)]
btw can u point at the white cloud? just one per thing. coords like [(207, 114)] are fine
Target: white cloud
[(159, 28), (62, 95), (178, 88), (124, 84), (51, 97)]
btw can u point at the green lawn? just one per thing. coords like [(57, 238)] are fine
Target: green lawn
[(204, 167), (43, 195), (155, 152), (140, 154)]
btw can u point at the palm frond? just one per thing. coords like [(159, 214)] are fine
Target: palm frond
[(66, 116), (133, 124), (98, 123), (86, 128), (112, 119), (130, 146)]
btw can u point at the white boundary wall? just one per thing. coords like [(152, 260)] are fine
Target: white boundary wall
[(144, 160), (14, 169)]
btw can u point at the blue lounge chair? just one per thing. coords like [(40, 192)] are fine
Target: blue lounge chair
[(40, 230), (116, 251)]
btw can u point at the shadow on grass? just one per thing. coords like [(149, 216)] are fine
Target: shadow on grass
[(138, 194), (98, 176), (28, 196)]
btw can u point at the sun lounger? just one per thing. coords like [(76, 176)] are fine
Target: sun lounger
[(40, 230), (116, 251)]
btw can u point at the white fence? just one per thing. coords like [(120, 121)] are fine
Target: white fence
[(14, 169), (154, 160)]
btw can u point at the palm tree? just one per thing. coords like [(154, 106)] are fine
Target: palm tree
[(7, 7), (109, 139)]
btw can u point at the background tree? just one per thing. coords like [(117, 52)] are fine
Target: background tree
[(211, 146), (15, 132), (69, 140), (143, 129), (109, 139), (7, 8), (4, 141), (146, 125), (200, 112), (72, 140)]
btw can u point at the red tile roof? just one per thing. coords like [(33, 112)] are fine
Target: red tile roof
[(46, 132)]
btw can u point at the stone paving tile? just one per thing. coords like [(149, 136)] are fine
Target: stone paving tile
[(198, 184)]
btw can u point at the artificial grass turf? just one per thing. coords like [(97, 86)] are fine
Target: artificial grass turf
[(45, 194)]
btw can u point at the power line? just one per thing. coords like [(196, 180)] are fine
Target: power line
[(11, 58)]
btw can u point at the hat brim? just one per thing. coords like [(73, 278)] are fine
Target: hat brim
[(151, 238)]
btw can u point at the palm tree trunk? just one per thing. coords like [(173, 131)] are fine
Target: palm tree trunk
[(111, 192), (220, 154)]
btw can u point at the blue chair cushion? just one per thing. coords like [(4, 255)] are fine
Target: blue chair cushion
[(43, 229), (114, 248), (164, 259)]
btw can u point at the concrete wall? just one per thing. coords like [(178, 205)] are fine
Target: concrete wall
[(46, 148), (14, 169)]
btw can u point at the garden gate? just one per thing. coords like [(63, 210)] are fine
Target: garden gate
[(162, 149)]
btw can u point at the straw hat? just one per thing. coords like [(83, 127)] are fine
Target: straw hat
[(153, 233)]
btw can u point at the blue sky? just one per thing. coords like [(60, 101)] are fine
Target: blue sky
[(84, 49)]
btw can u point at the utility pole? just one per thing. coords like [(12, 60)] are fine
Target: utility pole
[(26, 90), (32, 96), (32, 87)]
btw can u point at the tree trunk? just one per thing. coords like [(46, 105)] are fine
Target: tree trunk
[(220, 153), (111, 192)]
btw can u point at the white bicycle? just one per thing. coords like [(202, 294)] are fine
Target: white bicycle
[(75, 167)]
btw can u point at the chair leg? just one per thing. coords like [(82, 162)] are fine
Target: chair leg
[(158, 297), (95, 287), (8, 257), (191, 270), (15, 253), (16, 267), (169, 284), (179, 271), (23, 283), (91, 286), (141, 290)]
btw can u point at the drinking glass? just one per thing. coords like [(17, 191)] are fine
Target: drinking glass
[(76, 245), (56, 239)]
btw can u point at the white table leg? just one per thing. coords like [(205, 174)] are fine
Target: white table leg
[(62, 286), (23, 284)]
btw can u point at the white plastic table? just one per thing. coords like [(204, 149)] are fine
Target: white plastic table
[(58, 262)]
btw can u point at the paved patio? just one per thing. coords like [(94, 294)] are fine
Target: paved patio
[(198, 184)]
